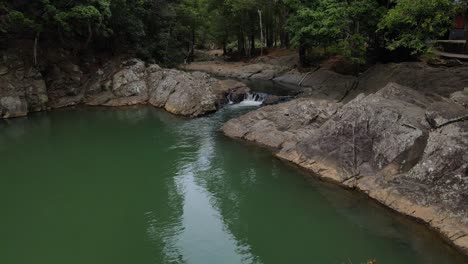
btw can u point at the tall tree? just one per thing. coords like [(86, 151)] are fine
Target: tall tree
[(411, 24)]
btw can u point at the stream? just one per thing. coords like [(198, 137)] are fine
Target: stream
[(139, 185)]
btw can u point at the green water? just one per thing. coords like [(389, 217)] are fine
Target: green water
[(139, 186)]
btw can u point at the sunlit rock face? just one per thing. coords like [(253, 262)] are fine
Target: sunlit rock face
[(24, 89), (403, 148), (132, 82)]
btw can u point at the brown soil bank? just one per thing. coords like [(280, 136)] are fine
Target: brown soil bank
[(117, 82), (407, 148)]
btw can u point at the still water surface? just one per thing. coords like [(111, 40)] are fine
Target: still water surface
[(140, 186)]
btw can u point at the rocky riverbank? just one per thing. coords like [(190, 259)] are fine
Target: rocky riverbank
[(404, 148), (118, 82), (324, 83), (398, 132)]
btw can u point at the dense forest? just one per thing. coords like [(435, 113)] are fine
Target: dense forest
[(168, 31)]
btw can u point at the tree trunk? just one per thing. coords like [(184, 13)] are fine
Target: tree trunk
[(90, 35), (224, 48), (269, 36), (282, 35), (240, 45), (286, 40), (261, 32), (192, 51), (36, 39), (252, 44), (302, 54), (465, 32)]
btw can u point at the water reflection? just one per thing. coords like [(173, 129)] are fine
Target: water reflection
[(205, 235), (226, 178), (138, 185)]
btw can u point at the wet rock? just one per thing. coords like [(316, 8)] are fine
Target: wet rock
[(126, 101), (66, 101), (230, 90), (273, 99), (460, 97), (282, 124), (13, 106), (99, 99)]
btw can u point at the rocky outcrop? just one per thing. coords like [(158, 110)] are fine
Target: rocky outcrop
[(402, 148), (22, 88), (240, 70), (65, 83), (419, 76), (178, 92), (324, 83), (321, 84), (116, 83), (283, 125)]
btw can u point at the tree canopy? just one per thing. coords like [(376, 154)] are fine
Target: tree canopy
[(168, 31)]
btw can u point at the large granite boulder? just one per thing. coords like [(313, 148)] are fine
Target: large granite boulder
[(184, 93), (132, 82)]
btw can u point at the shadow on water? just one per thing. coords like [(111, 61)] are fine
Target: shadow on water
[(138, 185)]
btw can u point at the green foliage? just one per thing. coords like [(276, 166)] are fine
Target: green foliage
[(320, 24), (347, 25), (167, 31), (354, 49), (412, 23), (18, 22)]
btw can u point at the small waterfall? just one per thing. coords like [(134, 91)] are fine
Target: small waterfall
[(229, 99), (253, 99)]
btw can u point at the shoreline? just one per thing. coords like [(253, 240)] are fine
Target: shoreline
[(301, 131), (392, 145)]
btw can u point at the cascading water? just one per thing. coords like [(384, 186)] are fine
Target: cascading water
[(253, 99), (229, 99)]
